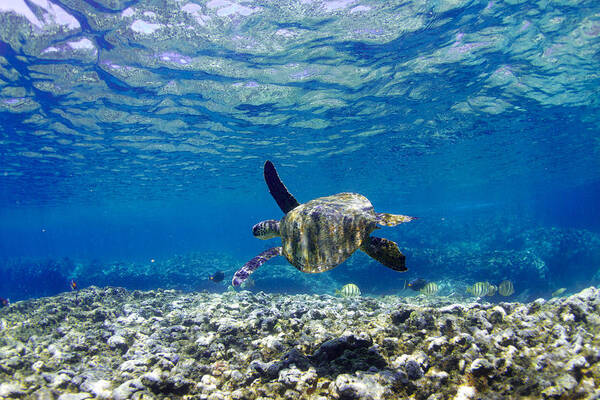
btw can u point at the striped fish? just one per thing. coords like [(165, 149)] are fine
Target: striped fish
[(506, 288), (430, 289), (479, 289), (349, 290), (492, 290)]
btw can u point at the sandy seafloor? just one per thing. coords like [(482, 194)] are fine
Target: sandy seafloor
[(164, 344)]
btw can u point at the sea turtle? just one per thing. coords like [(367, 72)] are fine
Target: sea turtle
[(321, 234)]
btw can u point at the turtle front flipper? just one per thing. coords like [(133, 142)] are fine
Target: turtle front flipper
[(282, 196), (386, 252), (243, 273), (386, 219)]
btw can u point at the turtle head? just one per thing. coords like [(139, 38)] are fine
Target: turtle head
[(266, 229)]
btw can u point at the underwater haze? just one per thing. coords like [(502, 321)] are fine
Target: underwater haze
[(133, 135)]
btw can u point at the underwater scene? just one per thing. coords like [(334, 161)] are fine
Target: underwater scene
[(312, 199)]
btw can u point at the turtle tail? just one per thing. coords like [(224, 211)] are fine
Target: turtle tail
[(243, 273), (386, 219)]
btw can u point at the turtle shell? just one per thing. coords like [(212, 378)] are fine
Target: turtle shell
[(321, 234)]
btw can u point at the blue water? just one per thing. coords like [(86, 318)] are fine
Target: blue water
[(133, 133)]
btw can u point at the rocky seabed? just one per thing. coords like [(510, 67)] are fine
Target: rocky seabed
[(109, 343)]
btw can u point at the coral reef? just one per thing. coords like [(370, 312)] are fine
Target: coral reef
[(537, 260), (116, 344), (188, 272), (497, 248), (579, 249)]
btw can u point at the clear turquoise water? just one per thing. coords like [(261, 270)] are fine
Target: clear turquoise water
[(137, 130)]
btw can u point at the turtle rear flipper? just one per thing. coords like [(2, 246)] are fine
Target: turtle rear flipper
[(386, 252), (282, 196), (386, 219), (243, 273)]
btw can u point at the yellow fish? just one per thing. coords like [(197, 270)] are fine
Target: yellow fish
[(349, 290), (558, 292), (479, 289), (430, 289), (492, 290), (506, 288)]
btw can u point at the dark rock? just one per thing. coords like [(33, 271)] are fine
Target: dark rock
[(151, 380), (267, 371), (481, 367), (270, 371), (166, 385), (334, 348), (413, 370), (420, 320), (447, 326), (450, 363), (396, 378), (398, 317), (177, 385), (317, 314), (347, 354), (296, 357), (268, 324), (578, 308), (227, 329), (99, 315), (273, 369)]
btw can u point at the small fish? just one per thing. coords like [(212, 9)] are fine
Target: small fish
[(492, 290), (417, 284), (479, 289), (349, 290), (217, 276), (74, 287), (429, 289), (506, 288), (4, 302), (558, 292)]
